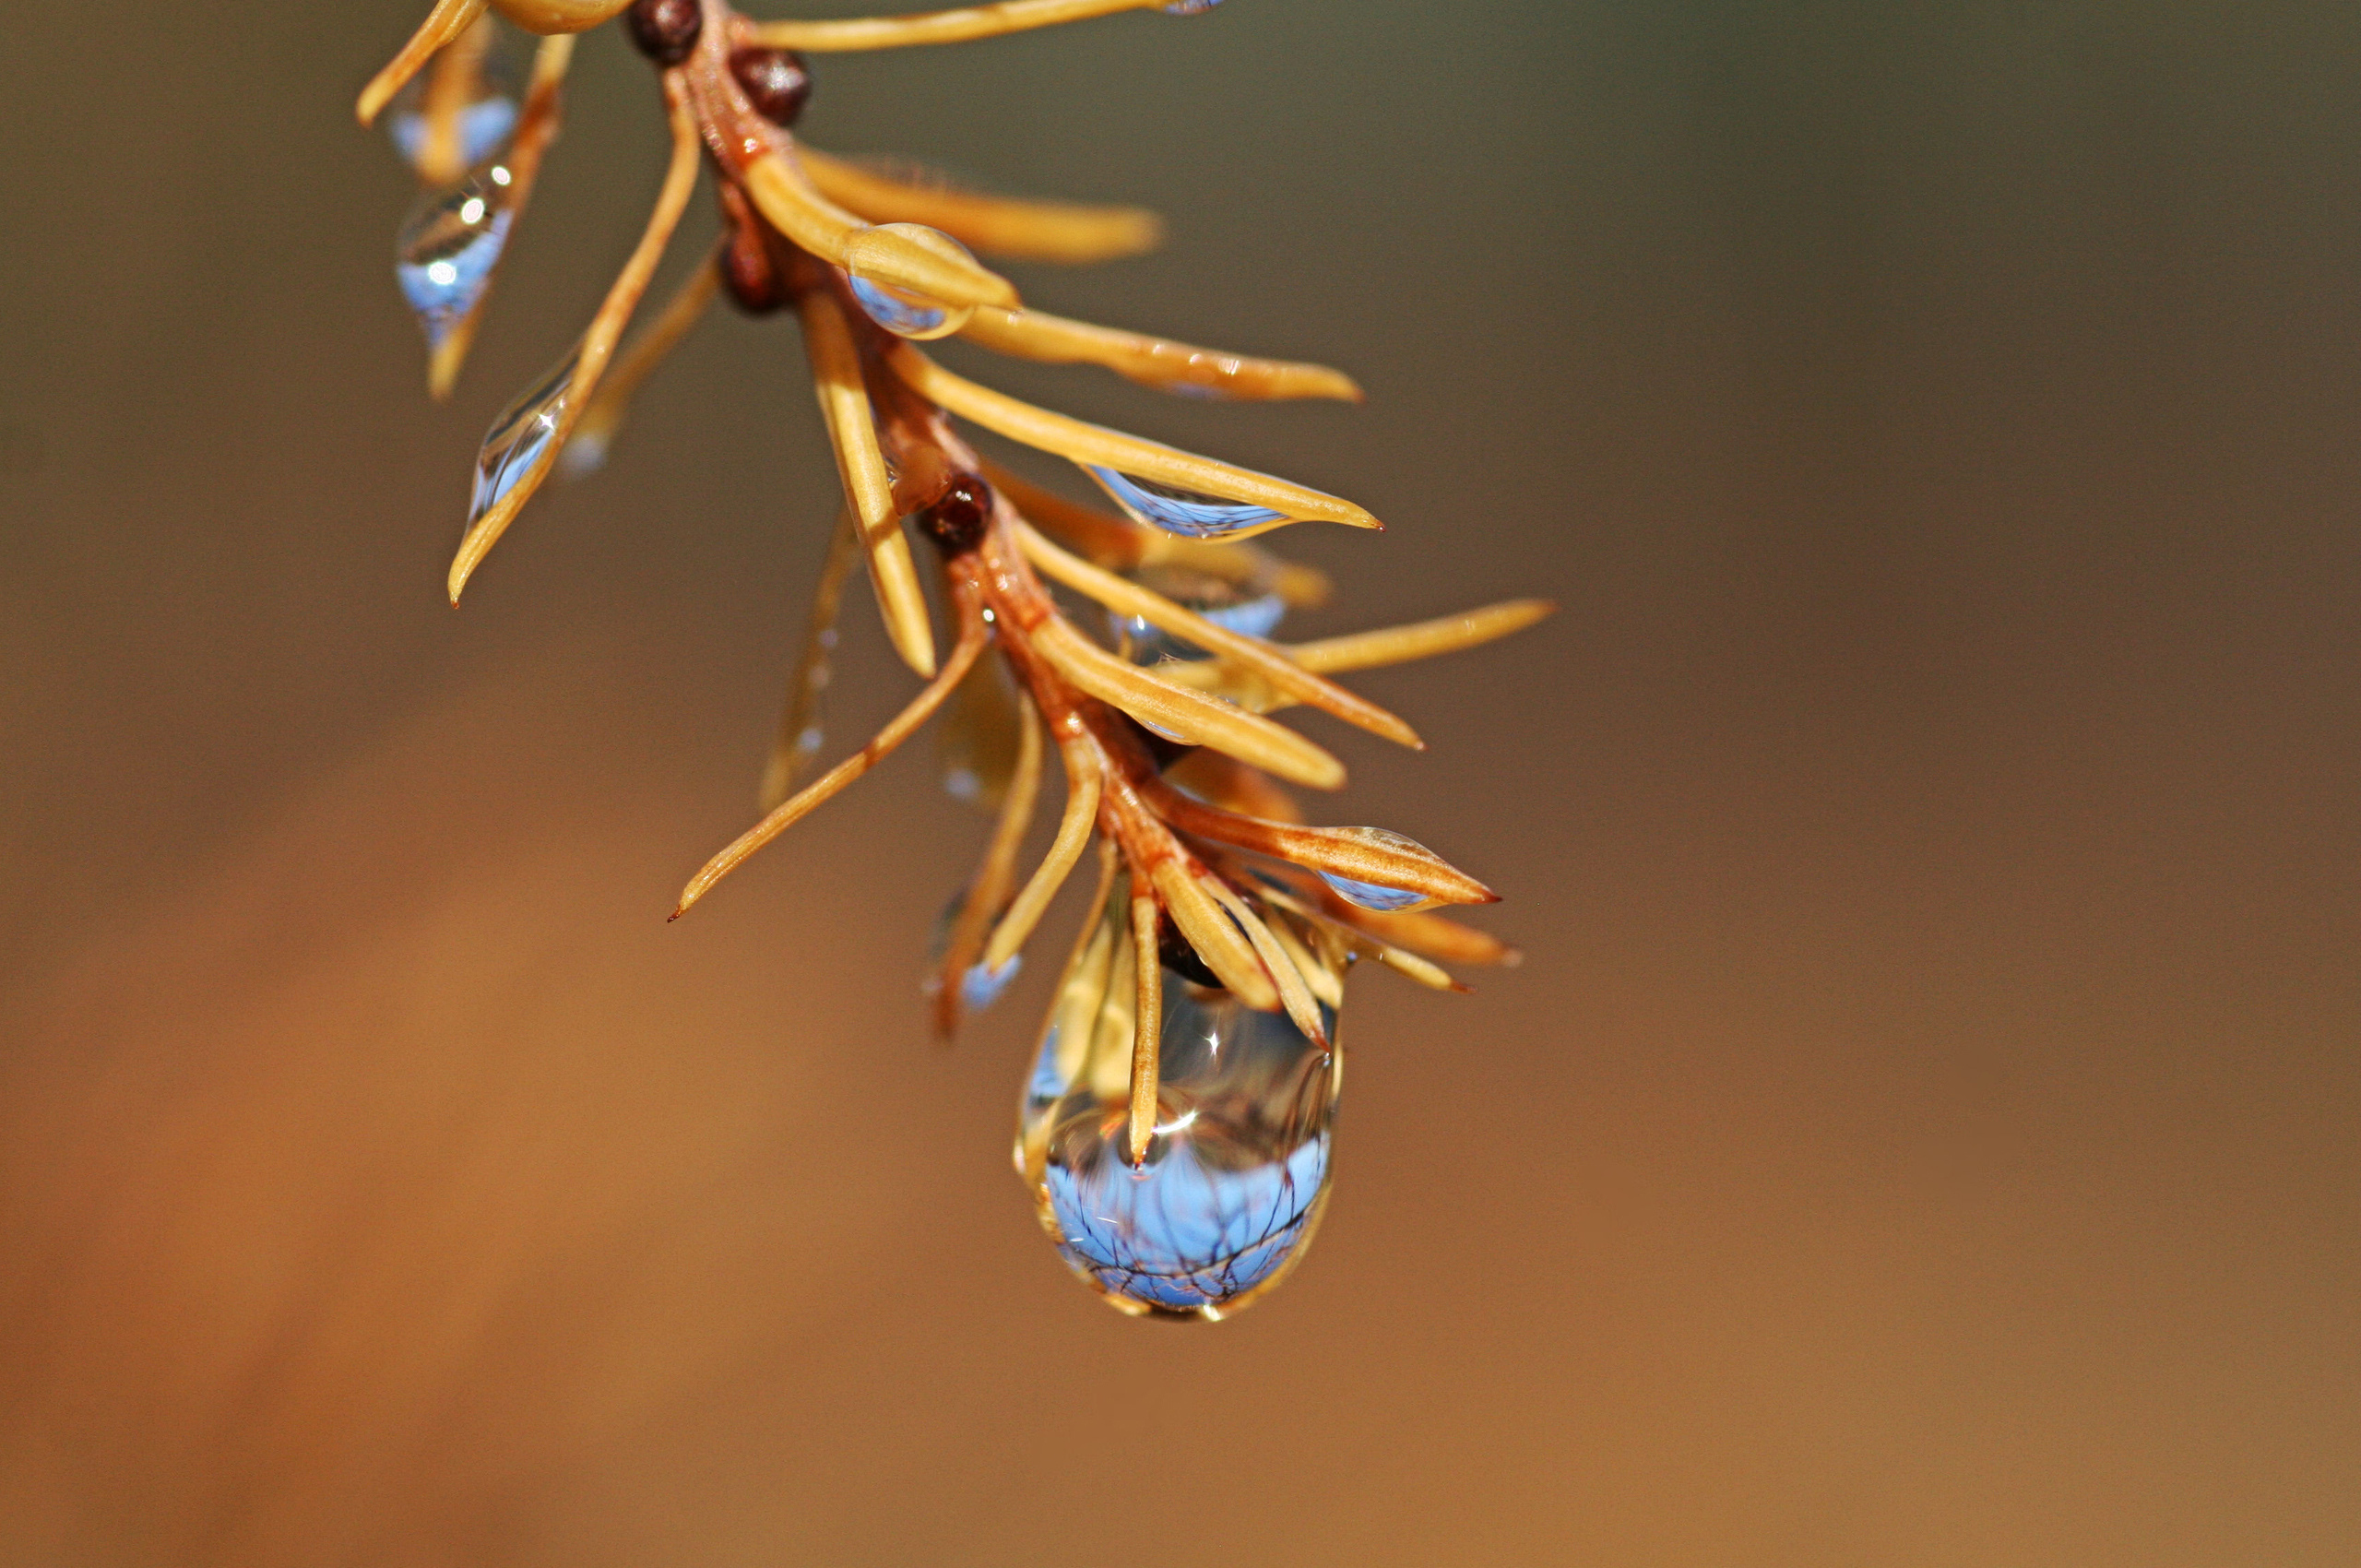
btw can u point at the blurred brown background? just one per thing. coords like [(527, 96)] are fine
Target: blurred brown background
[(1923, 1132)]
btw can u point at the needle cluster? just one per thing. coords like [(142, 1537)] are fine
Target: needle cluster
[(1161, 726)]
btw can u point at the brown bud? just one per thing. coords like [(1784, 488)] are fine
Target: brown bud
[(748, 270), (665, 30), (957, 520), (776, 82), (747, 273)]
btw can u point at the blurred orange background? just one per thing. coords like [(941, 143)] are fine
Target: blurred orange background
[(1923, 1130)]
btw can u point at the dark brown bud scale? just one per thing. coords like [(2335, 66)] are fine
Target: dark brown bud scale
[(748, 273), (665, 30), (776, 81), (957, 520)]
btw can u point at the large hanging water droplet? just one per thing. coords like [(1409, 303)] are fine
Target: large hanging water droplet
[(1236, 1174), (1175, 510), (896, 309), (520, 437), (444, 256), (1221, 603)]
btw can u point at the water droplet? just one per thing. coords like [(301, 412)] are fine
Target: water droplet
[(1217, 601), (445, 254), (1188, 7), (898, 310), (520, 437), (484, 128), (584, 454), (485, 121), (1374, 895), (1237, 1171), (1175, 510), (979, 737), (981, 987), (900, 313)]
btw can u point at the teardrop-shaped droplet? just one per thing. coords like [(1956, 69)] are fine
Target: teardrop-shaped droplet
[(520, 437), (1188, 7), (981, 987), (447, 251), (1372, 896), (898, 310), (1175, 510), (1221, 603), (1379, 895), (481, 123), (1236, 1172), (979, 736), (483, 128)]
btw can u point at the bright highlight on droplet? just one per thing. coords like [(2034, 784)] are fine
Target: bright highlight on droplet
[(445, 254), (1215, 600), (520, 437)]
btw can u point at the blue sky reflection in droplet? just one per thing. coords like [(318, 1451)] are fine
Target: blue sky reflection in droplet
[(895, 314), (1185, 511), (520, 437), (484, 127), (1232, 1185), (1371, 895), (444, 256)]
